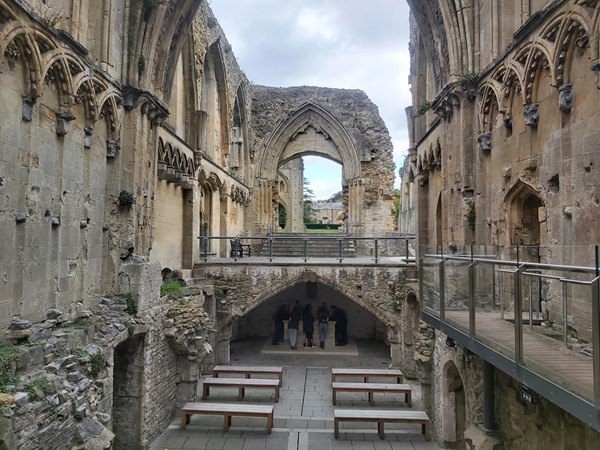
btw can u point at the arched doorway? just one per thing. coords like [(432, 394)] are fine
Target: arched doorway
[(454, 409)]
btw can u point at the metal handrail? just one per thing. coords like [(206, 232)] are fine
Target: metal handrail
[(518, 269)]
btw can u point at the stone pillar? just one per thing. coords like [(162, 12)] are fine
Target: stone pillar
[(223, 340), (188, 372)]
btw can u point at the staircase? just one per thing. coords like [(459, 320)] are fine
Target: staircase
[(317, 245)]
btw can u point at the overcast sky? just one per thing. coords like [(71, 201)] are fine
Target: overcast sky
[(334, 43)]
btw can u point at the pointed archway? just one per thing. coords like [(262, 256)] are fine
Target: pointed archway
[(310, 130)]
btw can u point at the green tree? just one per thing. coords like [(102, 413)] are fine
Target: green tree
[(309, 205), (336, 198)]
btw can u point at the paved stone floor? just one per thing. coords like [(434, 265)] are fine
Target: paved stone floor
[(303, 417)]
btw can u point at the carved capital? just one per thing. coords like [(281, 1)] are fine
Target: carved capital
[(485, 141), (62, 123), (532, 115), (87, 139), (27, 109), (596, 69), (565, 97), (112, 147)]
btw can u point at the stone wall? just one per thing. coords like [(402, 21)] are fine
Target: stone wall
[(248, 295)]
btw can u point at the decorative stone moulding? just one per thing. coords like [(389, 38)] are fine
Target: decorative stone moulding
[(596, 69), (532, 115), (27, 108), (87, 139), (485, 141), (508, 121), (565, 97), (470, 91), (178, 175), (170, 176), (189, 183), (62, 123), (112, 147), (161, 170)]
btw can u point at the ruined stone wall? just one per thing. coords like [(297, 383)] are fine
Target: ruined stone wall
[(372, 190)]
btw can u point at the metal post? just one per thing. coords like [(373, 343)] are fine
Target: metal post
[(340, 249), (518, 317), (565, 294), (305, 247), (596, 333), (236, 249), (472, 298), (442, 292), (270, 248), (493, 287), (205, 248), (376, 257), (406, 246), (531, 304), (489, 423)]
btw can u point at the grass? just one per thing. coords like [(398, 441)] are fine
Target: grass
[(171, 287), (36, 387), (97, 363), (324, 231), (81, 324)]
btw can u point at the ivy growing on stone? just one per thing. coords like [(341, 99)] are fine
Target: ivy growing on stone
[(125, 199), (8, 356), (423, 108), (97, 363)]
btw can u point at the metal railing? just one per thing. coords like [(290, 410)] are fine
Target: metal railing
[(338, 247), (553, 308)]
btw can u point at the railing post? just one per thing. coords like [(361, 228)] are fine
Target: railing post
[(205, 238), (305, 247), (406, 246), (472, 298), (270, 248), (340, 249), (596, 333), (442, 291), (518, 317), (235, 249), (376, 256), (565, 295)]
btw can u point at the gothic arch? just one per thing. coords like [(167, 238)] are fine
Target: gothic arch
[(453, 405), (317, 117), (490, 104), (521, 202)]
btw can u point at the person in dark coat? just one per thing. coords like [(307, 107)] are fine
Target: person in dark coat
[(341, 325), (294, 324), (308, 325), (323, 323)]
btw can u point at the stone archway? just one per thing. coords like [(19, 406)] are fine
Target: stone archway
[(340, 125), (453, 407)]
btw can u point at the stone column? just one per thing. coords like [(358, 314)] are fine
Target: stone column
[(223, 347)]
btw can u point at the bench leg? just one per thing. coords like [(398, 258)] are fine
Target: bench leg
[(333, 395), (371, 398), (185, 419), (205, 389), (241, 393), (380, 429), (277, 394), (408, 398), (426, 430), (366, 379), (336, 428), (399, 379), (227, 424), (269, 423)]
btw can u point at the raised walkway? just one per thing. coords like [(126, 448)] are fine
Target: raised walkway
[(304, 413)]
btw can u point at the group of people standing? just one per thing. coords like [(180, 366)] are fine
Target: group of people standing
[(305, 314)]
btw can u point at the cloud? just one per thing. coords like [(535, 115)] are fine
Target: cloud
[(334, 43)]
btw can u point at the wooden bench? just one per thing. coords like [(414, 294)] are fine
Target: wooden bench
[(381, 417), (241, 384), (371, 388), (366, 374), (227, 410), (247, 371)]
